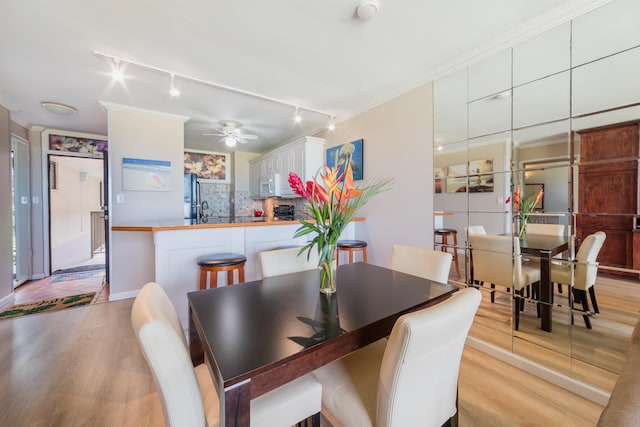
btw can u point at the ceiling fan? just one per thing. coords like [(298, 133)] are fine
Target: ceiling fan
[(231, 134)]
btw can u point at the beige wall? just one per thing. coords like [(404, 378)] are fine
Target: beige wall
[(141, 135), (398, 143), (6, 263)]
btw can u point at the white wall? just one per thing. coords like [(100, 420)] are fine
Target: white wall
[(141, 135), (398, 143)]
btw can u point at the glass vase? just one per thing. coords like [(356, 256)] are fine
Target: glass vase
[(328, 272), (522, 233)]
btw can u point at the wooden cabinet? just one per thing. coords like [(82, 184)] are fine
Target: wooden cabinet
[(608, 192)]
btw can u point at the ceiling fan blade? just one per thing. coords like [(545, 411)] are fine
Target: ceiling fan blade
[(249, 137), (213, 134)]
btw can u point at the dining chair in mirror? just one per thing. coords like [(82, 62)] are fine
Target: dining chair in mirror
[(584, 271), (428, 263), (284, 261), (546, 229), (187, 394), (497, 260), (476, 229), (392, 383)]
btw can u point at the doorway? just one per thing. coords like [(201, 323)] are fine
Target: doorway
[(76, 216), (20, 210)]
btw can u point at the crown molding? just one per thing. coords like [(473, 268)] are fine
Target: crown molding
[(127, 108)]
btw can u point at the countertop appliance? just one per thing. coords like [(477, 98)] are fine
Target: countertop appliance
[(270, 186), (284, 212)]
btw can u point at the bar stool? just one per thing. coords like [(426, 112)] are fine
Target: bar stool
[(444, 243), (352, 246), (214, 263)]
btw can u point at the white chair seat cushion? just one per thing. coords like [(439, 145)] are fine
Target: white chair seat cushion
[(284, 406), (352, 402)]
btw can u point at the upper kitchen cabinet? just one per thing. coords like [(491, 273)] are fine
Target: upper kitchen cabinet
[(303, 156)]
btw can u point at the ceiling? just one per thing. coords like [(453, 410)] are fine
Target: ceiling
[(316, 55)]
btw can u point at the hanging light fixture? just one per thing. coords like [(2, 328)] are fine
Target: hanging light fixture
[(173, 90), (230, 141)]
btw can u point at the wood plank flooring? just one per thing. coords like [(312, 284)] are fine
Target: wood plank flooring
[(82, 367)]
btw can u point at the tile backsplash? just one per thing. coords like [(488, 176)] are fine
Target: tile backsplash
[(224, 202)]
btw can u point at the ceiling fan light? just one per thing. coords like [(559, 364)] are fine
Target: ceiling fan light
[(57, 108), (230, 141)]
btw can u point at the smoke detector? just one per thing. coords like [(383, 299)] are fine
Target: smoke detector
[(367, 9)]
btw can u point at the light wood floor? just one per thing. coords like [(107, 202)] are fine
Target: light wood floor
[(82, 367)]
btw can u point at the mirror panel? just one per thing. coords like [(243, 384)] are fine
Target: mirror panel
[(450, 91), (542, 56), (606, 30), (542, 101), (490, 115), (450, 125), (608, 83), (490, 76)]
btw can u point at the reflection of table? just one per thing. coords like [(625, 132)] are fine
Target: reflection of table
[(259, 335), (544, 247)]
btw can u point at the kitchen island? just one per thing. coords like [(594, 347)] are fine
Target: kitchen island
[(166, 251)]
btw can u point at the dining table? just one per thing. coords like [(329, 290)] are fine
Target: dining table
[(544, 247), (259, 335)]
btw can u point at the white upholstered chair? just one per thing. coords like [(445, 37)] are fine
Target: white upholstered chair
[(475, 229), (546, 229), (497, 260), (422, 262), (409, 380), (584, 271), (284, 261), (188, 395)]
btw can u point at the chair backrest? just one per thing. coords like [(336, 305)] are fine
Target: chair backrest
[(284, 261), (586, 267), (422, 262), (475, 229), (419, 373), (159, 333), (497, 260), (546, 229)]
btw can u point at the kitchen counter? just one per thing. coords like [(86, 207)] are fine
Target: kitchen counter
[(209, 222)]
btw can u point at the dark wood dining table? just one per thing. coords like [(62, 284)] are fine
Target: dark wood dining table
[(544, 247), (259, 335)]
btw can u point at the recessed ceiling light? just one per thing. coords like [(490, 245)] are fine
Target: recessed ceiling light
[(57, 108)]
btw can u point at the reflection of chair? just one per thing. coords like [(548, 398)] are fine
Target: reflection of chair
[(427, 263), (497, 260), (409, 380), (584, 270), (284, 261), (546, 229), (475, 229), (183, 389)]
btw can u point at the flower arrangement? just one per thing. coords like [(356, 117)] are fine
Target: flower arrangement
[(524, 207), (332, 200)]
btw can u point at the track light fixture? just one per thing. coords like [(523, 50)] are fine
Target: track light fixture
[(332, 125), (173, 90), (118, 74)]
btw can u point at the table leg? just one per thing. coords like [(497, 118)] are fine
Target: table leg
[(235, 407), (546, 290), (195, 344)]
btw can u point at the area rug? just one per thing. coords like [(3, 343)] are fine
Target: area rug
[(91, 267), (47, 305), (77, 276)]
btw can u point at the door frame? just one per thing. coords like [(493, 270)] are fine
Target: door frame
[(46, 211), (23, 243)]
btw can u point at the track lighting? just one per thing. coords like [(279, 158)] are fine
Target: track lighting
[(118, 74), (297, 118), (173, 90), (332, 125)]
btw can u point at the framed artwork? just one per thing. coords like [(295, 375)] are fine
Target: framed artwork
[(481, 176), (457, 178), (531, 190), (337, 156), (77, 145), (146, 175), (208, 167)]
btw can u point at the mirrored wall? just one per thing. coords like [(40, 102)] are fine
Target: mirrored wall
[(558, 115)]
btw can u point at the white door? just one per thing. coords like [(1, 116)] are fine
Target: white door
[(20, 210)]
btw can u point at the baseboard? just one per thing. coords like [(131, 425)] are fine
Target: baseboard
[(8, 300), (38, 276), (580, 388), (123, 295)]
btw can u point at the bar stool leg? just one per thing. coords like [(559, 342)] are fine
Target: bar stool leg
[(203, 279), (364, 255)]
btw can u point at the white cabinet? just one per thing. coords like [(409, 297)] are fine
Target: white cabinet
[(303, 156)]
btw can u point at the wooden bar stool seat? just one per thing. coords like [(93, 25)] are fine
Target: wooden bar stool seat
[(352, 246), (215, 263), (445, 244)]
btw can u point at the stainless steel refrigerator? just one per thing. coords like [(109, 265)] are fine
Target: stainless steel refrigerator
[(191, 196)]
